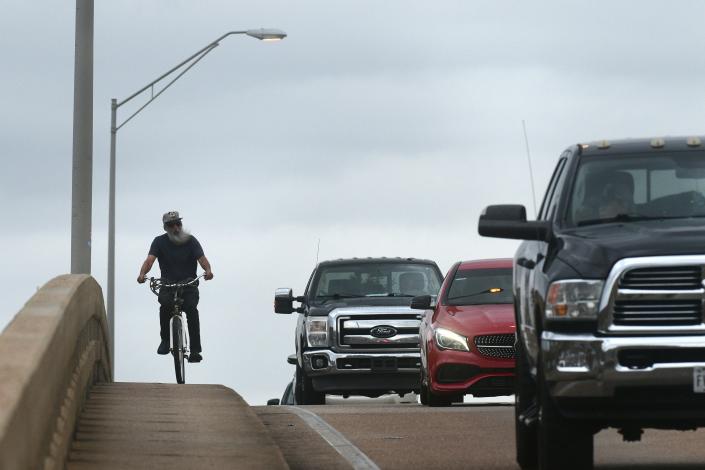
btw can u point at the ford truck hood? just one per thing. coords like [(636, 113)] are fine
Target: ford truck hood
[(377, 304)]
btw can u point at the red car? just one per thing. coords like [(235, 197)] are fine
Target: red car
[(467, 339)]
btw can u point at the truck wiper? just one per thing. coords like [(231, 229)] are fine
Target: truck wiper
[(353, 296), (633, 218), (338, 296)]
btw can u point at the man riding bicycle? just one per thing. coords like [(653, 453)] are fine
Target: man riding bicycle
[(177, 252)]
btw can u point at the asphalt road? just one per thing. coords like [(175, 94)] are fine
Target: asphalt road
[(468, 436)]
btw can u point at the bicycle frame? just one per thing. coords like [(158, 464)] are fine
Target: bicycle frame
[(178, 351), (178, 315)]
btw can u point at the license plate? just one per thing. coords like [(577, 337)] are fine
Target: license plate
[(699, 379)]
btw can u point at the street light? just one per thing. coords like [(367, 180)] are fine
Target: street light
[(261, 34)]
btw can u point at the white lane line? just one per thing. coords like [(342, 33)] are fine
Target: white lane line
[(345, 448)]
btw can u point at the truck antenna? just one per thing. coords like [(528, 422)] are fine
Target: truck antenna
[(531, 171), (318, 250)]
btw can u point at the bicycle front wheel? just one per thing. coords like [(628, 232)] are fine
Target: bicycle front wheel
[(178, 351)]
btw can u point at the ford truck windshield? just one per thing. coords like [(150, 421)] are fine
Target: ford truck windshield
[(375, 280)]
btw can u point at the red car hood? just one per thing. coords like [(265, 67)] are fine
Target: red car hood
[(471, 320)]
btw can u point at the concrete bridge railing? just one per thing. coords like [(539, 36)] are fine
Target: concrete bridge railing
[(51, 354)]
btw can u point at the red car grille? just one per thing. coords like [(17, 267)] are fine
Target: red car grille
[(496, 346)]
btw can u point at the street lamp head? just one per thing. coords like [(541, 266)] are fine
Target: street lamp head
[(264, 34)]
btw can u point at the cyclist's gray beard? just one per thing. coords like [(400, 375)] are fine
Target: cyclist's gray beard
[(179, 238)]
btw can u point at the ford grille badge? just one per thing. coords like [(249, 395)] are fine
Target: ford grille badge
[(383, 331)]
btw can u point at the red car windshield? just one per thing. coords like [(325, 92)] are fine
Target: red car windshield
[(481, 286)]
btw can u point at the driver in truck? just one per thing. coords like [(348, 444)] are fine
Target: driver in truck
[(604, 195), (617, 195), (411, 283)]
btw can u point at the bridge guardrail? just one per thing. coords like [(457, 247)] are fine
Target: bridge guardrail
[(51, 354)]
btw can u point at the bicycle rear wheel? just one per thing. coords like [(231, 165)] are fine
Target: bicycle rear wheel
[(178, 350)]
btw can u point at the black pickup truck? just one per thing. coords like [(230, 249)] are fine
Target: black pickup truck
[(357, 334), (608, 289)]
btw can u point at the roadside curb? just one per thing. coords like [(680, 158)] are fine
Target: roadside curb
[(357, 459)]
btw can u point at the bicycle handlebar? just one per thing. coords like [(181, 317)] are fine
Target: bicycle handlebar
[(155, 284)]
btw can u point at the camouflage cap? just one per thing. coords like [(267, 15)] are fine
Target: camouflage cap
[(172, 216)]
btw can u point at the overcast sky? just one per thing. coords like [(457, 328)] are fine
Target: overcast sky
[(381, 128)]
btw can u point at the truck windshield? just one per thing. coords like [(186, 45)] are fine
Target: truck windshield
[(376, 280), (481, 286), (627, 188)]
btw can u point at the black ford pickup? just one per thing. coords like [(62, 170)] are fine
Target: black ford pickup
[(356, 334), (608, 288)]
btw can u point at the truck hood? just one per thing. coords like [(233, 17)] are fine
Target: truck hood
[(593, 250), (367, 310), (362, 303)]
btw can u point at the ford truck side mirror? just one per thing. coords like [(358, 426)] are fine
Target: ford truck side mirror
[(284, 300), (273, 402), (291, 359), (509, 221), (421, 302)]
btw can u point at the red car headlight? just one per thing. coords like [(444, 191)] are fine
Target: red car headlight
[(447, 339)]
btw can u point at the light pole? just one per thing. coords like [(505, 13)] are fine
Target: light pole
[(261, 34), (82, 167)]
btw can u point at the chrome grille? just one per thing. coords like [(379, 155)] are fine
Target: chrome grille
[(355, 332), (657, 312), (496, 346), (654, 295), (662, 278)]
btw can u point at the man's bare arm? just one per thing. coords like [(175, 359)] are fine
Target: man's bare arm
[(203, 261), (146, 266)]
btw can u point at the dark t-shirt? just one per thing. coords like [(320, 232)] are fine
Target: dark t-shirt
[(176, 262)]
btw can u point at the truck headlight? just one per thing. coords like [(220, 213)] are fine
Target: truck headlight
[(317, 332), (446, 339), (574, 299)]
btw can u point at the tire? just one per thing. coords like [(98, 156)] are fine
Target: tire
[(304, 392), (562, 443), (438, 400), (178, 351), (423, 392), (429, 398), (288, 395), (524, 398)]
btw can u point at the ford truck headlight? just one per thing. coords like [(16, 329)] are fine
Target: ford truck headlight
[(446, 339), (317, 332), (574, 299)]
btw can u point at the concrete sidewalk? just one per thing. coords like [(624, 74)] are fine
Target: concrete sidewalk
[(154, 426)]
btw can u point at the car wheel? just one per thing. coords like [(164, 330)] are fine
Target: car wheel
[(562, 443), (428, 397), (304, 392), (525, 407), (423, 392), (438, 400), (288, 395)]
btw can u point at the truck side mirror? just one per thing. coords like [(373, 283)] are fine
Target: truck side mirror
[(273, 401), (291, 359), (509, 221), (421, 302), (284, 300)]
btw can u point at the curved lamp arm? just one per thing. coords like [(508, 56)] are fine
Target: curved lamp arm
[(261, 34)]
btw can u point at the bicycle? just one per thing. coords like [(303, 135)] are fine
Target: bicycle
[(178, 339)]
